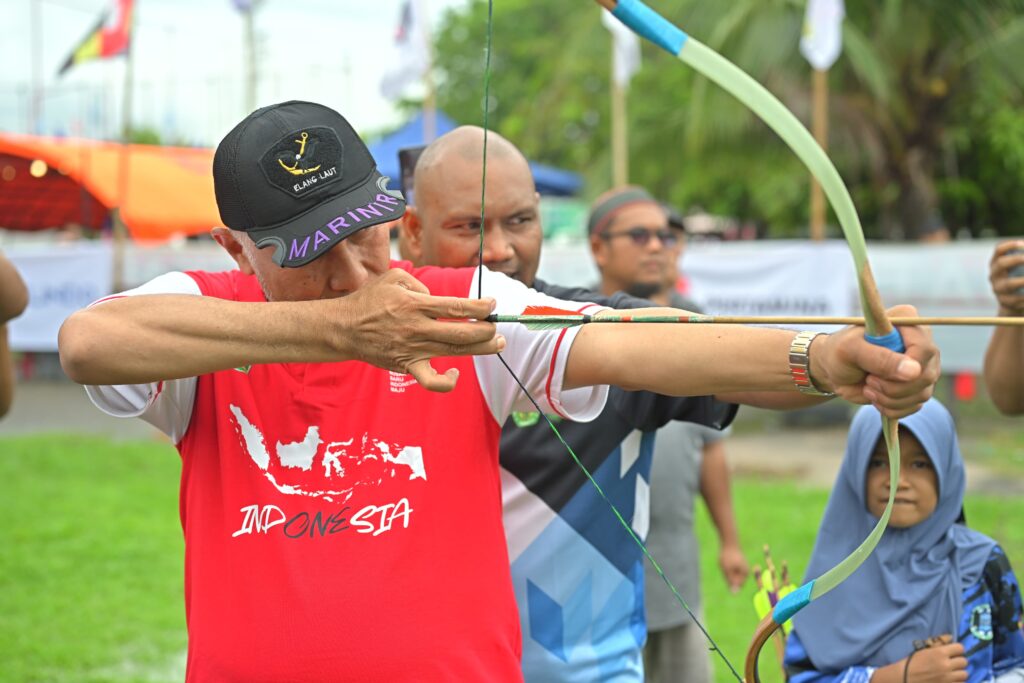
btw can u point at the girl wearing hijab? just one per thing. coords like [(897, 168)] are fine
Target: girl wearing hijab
[(936, 602)]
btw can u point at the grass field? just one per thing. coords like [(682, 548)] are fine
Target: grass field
[(90, 573), (91, 568)]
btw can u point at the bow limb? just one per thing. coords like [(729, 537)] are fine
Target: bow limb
[(649, 24)]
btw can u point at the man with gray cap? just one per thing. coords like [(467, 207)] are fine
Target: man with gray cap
[(637, 243), (341, 522)]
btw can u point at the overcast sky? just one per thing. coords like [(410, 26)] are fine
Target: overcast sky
[(189, 69)]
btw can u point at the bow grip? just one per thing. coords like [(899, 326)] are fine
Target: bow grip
[(892, 341)]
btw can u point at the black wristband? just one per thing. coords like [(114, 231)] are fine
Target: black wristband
[(906, 666)]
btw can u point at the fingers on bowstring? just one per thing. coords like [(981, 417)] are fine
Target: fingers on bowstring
[(403, 279), (458, 308), (428, 378), (452, 338)]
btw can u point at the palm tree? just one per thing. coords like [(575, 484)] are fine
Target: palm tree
[(920, 88), (908, 73)]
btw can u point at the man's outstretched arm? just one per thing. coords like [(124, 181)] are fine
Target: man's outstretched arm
[(693, 360), (391, 322)]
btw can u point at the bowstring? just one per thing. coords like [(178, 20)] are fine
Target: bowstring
[(713, 646), (483, 177)]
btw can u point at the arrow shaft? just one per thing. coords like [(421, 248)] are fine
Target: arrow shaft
[(752, 320)]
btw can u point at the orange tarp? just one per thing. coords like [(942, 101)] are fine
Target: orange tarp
[(169, 189)]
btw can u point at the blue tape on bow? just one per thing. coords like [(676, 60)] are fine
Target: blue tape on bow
[(651, 25), (892, 341), (792, 603)]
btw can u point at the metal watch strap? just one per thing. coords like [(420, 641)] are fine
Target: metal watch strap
[(800, 364)]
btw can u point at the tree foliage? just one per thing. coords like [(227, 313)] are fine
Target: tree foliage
[(927, 123)]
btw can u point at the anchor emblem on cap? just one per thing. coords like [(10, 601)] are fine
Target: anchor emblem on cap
[(300, 158)]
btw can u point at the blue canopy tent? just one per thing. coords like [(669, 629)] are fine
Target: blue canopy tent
[(549, 180)]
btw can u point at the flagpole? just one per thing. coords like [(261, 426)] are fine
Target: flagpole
[(625, 60), (249, 38), (124, 162), (821, 43), (36, 99), (819, 125), (620, 144), (430, 98)]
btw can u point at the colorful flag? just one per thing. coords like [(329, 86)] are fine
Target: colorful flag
[(108, 38), (822, 38), (413, 52), (626, 49)]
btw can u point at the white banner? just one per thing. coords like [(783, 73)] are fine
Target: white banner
[(61, 279), (771, 278), (778, 277), (942, 280), (800, 277)]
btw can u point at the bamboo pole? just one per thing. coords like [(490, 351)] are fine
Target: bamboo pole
[(819, 123), (620, 144), (430, 99), (125, 157)]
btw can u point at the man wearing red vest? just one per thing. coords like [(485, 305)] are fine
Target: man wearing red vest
[(342, 520)]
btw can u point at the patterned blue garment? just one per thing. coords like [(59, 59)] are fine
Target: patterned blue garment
[(990, 630), (578, 576)]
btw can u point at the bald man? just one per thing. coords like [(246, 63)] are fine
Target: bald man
[(577, 574), (566, 545)]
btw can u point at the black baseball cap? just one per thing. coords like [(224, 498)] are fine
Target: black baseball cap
[(296, 176)]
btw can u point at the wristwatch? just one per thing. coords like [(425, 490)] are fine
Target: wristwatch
[(800, 364)]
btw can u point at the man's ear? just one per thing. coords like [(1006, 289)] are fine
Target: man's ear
[(410, 236), (230, 242)]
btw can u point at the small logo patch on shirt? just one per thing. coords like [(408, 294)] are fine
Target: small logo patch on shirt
[(525, 419), (530, 418), (981, 622), (398, 382)]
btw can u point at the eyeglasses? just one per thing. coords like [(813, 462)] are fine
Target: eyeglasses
[(641, 236)]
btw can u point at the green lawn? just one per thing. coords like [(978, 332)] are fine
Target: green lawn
[(90, 573), (91, 568)]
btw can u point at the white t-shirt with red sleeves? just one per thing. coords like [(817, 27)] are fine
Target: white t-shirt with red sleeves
[(341, 522)]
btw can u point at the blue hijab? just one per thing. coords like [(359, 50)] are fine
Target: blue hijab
[(911, 587)]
